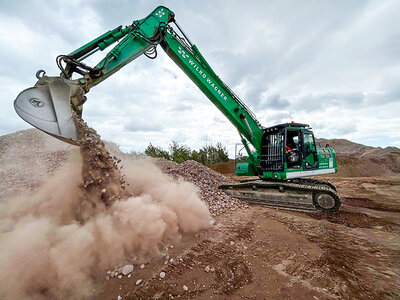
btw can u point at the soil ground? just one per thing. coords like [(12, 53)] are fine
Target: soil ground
[(253, 252), (263, 253)]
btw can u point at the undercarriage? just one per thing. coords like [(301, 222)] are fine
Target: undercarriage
[(297, 194)]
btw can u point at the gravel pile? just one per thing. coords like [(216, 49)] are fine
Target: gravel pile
[(207, 180), (27, 158)]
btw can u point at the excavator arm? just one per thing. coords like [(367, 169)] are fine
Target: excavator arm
[(50, 111)]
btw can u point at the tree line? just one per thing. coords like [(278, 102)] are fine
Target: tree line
[(207, 155)]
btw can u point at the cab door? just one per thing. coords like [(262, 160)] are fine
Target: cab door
[(310, 160)]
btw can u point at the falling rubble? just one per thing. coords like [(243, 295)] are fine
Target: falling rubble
[(102, 179)]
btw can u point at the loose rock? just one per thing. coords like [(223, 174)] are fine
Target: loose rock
[(127, 269)]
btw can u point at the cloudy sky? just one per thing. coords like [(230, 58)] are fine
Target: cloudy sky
[(332, 64)]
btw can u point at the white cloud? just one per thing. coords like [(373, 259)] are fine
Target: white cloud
[(333, 65)]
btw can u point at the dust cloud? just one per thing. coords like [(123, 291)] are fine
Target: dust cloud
[(54, 242)]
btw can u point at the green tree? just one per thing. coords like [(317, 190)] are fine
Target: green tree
[(156, 151), (222, 153), (207, 155), (195, 156), (210, 154), (179, 153)]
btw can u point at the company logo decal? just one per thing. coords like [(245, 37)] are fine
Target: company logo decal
[(182, 52), (160, 13)]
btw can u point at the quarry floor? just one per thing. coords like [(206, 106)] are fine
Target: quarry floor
[(264, 253)]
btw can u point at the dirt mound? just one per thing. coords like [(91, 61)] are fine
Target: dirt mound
[(26, 159), (343, 146), (356, 160), (224, 167)]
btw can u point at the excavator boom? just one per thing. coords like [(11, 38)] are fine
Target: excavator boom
[(139, 38)]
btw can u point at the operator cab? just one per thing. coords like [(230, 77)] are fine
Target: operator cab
[(289, 146)]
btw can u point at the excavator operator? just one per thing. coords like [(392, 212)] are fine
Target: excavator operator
[(292, 153)]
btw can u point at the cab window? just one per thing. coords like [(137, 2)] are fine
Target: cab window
[(309, 144)]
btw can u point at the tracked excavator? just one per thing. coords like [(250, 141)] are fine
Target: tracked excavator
[(281, 157)]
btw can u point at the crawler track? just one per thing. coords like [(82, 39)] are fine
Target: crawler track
[(300, 194)]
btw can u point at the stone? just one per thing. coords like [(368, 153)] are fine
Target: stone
[(232, 243), (207, 269), (162, 275), (389, 272), (142, 266), (158, 295), (185, 288), (130, 275), (119, 276), (127, 269), (139, 281)]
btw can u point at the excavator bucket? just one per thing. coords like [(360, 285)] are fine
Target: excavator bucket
[(47, 106)]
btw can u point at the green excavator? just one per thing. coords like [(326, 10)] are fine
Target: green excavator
[(284, 154)]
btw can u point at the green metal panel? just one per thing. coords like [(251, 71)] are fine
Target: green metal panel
[(245, 169), (274, 175), (134, 44), (114, 35), (326, 158)]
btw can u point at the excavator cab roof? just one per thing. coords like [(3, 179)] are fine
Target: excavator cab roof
[(286, 125)]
